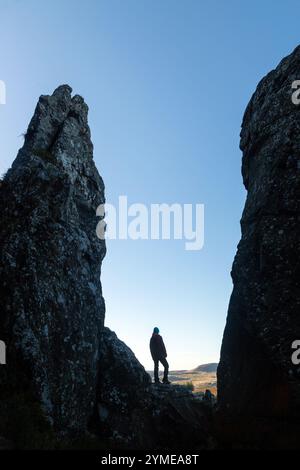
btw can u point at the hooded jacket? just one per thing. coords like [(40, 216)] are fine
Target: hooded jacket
[(157, 347)]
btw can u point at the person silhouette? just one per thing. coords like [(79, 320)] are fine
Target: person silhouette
[(159, 354)]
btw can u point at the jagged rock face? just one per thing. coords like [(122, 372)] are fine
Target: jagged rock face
[(59, 355), (256, 375), (52, 309)]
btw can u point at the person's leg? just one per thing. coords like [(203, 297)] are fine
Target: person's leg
[(156, 365), (166, 369)]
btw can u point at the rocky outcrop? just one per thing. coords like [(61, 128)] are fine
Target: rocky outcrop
[(256, 376), (67, 375), (52, 309), (133, 413)]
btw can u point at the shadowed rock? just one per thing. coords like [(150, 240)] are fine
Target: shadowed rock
[(136, 414), (52, 309), (62, 364), (256, 376)]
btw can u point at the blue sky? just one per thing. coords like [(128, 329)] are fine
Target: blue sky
[(167, 82)]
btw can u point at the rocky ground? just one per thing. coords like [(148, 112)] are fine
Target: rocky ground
[(198, 380)]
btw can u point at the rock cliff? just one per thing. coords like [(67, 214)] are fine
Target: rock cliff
[(52, 309), (66, 374), (256, 376)]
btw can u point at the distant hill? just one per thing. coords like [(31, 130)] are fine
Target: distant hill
[(203, 377), (211, 367)]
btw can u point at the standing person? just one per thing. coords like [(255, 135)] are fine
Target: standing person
[(159, 354)]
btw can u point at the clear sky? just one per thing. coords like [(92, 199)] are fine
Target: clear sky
[(167, 82)]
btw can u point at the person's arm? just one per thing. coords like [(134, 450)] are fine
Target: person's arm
[(152, 348), (163, 348)]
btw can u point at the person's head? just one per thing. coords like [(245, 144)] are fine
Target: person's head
[(156, 330)]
